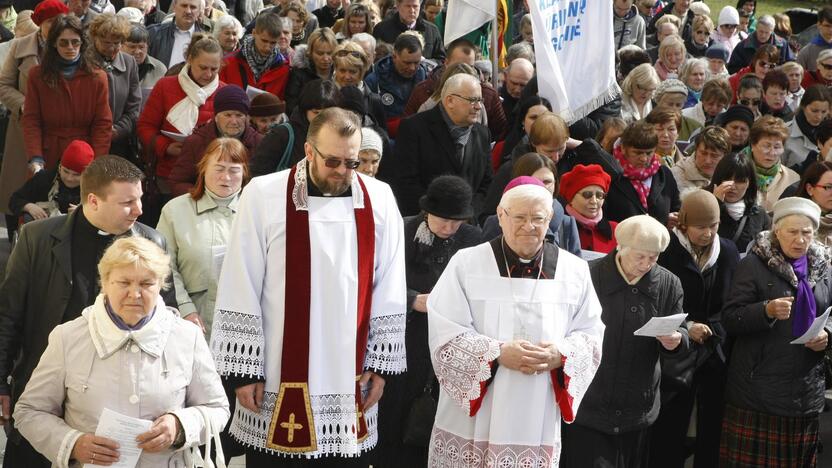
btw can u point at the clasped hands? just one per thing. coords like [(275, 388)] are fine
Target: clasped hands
[(528, 358), (90, 448)]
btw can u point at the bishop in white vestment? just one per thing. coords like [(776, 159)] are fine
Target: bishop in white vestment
[(311, 302), (515, 337)]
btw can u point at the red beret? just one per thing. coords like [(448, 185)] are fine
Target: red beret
[(77, 156), (49, 9), (583, 176)]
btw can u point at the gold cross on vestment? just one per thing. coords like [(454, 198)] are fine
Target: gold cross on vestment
[(358, 412), (291, 426)]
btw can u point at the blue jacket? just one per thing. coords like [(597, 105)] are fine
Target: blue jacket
[(393, 88), (563, 230)]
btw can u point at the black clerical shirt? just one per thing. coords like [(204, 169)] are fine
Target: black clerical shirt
[(88, 245)]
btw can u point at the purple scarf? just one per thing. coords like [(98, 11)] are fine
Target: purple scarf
[(804, 309)]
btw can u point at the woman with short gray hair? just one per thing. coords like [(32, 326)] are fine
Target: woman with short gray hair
[(228, 31), (775, 389)]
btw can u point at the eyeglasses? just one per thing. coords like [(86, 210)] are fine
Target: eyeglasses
[(705, 32), (69, 42), (521, 220), (351, 53), (826, 66), (646, 90), (769, 148), (474, 101), (750, 102), (826, 187), (588, 194), (335, 163), (767, 65)]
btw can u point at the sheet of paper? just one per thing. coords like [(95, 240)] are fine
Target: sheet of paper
[(814, 329), (174, 136), (661, 326), (252, 92), (124, 430)]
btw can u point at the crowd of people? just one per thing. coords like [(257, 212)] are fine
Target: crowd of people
[(212, 204)]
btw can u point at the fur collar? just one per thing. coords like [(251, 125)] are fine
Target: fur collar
[(819, 257)]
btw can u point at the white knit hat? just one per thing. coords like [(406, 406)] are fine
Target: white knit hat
[(729, 15), (133, 15), (642, 232), (796, 206), (370, 140)]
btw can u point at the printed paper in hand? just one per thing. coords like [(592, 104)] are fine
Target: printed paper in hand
[(661, 326), (174, 136), (124, 430), (253, 92), (814, 329)]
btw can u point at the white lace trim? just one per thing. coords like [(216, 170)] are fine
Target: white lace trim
[(464, 362), (237, 343), (448, 450), (385, 344), (300, 194), (424, 234), (583, 356), (335, 422)]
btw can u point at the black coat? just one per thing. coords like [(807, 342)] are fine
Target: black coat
[(35, 294), (756, 220), (37, 189), (623, 202), (389, 29), (298, 78), (705, 291), (624, 395), (268, 153), (160, 40), (766, 373), (424, 150)]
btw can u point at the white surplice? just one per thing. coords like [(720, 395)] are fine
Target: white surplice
[(471, 311), (248, 326)]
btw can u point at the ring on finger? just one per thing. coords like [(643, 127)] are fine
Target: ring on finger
[(93, 456)]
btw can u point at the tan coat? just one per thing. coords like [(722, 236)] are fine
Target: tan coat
[(14, 74), (781, 182)]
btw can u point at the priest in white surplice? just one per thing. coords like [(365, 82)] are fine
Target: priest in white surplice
[(515, 337), (311, 305)]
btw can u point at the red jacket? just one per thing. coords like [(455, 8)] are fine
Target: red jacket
[(236, 70), (599, 239), (813, 78), (77, 109), (734, 81), (153, 120)]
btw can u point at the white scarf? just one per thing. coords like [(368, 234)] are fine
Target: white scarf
[(185, 113)]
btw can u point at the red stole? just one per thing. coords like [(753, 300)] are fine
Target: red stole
[(293, 428)]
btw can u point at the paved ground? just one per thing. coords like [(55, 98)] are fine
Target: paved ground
[(824, 461)]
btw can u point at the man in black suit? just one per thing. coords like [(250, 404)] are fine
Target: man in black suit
[(52, 276), (444, 140)]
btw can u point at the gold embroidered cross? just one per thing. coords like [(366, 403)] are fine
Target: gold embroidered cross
[(291, 426), (358, 412)]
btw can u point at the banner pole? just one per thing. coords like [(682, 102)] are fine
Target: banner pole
[(495, 50)]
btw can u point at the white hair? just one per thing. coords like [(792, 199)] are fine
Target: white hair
[(768, 20), (364, 38), (526, 194), (225, 22), (455, 82)]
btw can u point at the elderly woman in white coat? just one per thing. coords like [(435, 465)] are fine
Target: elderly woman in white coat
[(130, 354)]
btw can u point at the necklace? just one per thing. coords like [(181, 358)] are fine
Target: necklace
[(522, 309)]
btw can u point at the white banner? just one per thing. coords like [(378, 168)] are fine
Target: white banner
[(574, 50), (464, 16)]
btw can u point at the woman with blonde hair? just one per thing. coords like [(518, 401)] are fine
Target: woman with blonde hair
[(357, 19), (311, 63), (637, 92), (127, 353), (351, 64), (671, 57)]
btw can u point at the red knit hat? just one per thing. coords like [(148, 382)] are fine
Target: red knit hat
[(77, 156), (583, 176), (49, 9)]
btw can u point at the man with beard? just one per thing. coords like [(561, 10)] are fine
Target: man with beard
[(231, 120), (311, 305)]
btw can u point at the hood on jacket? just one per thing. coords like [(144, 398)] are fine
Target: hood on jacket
[(629, 16)]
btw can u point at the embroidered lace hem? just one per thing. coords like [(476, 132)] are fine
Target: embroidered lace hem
[(335, 422), (463, 363), (583, 356), (449, 450), (385, 345), (237, 344)]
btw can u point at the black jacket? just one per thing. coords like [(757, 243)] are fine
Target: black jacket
[(623, 202), (756, 220), (766, 373), (36, 291), (37, 189), (424, 150), (160, 40), (327, 16), (704, 291), (685, 31), (298, 78), (624, 395), (268, 153), (389, 29)]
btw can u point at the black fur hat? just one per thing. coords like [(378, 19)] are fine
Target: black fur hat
[(448, 197)]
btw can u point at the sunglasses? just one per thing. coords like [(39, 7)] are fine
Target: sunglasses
[(69, 42), (351, 53), (335, 163), (750, 102), (588, 194), (826, 66), (770, 66)]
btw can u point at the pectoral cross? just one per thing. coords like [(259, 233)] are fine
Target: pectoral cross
[(291, 426)]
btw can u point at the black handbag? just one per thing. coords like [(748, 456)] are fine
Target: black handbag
[(419, 422)]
